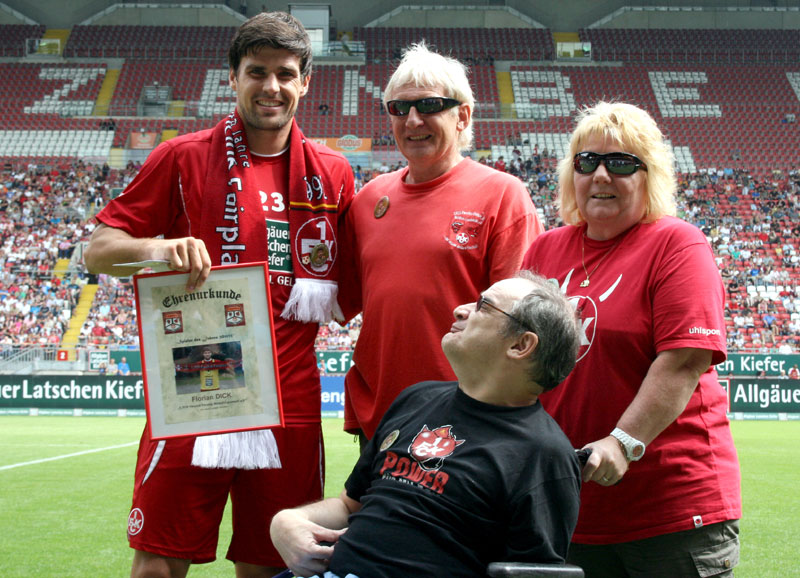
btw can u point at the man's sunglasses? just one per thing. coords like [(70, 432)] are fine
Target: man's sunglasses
[(616, 163), (483, 301), (430, 105)]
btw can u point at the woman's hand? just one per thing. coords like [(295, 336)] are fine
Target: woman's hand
[(607, 463)]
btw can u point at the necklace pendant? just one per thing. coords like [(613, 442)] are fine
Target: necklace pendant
[(585, 282)]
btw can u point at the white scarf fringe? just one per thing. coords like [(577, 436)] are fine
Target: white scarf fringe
[(247, 450), (313, 300)]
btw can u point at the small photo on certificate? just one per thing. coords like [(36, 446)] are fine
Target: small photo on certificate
[(209, 357), (210, 367)]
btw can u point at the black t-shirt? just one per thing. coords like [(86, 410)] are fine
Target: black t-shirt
[(449, 484)]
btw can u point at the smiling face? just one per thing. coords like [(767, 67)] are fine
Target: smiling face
[(610, 204), (268, 88), (475, 341), (428, 141)]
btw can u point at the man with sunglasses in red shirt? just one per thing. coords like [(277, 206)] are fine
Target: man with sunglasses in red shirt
[(425, 238)]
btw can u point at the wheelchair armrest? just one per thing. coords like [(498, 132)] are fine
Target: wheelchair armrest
[(532, 570)]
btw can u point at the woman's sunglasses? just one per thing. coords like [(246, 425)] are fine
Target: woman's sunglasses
[(616, 163), (428, 105)]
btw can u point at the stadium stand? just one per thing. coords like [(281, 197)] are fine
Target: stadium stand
[(727, 99), (149, 42), (14, 36), (702, 46), (472, 45)]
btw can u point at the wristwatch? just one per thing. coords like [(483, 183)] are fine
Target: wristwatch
[(631, 447)]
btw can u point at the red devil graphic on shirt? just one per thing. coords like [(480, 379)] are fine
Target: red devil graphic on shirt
[(430, 447)]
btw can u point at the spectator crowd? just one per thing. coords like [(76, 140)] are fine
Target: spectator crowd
[(46, 214)]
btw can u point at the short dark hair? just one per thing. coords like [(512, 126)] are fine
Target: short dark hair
[(271, 30), (546, 312)]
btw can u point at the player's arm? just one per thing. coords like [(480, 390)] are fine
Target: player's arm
[(109, 246), (301, 535)]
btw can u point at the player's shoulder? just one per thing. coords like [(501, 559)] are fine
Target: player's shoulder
[(200, 136), (194, 140), (329, 155)]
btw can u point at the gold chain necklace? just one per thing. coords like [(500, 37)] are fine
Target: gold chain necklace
[(585, 282)]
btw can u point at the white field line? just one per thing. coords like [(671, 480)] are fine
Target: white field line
[(83, 453)]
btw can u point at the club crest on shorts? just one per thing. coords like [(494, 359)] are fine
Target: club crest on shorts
[(173, 322), (135, 522), (234, 315), (430, 447)]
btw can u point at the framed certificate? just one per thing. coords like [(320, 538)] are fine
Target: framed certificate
[(209, 356)]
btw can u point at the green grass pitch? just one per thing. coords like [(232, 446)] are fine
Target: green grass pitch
[(67, 516)]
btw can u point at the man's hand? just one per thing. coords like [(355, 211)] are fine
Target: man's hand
[(187, 255), (299, 541), (110, 246)]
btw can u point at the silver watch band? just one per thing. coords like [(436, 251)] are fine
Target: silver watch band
[(632, 448)]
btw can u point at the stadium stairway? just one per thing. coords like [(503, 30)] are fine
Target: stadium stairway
[(176, 109), (107, 89), (565, 37), (505, 90), (116, 158), (71, 337), (168, 133), (59, 34), (61, 267)]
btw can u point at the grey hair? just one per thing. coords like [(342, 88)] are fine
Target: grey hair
[(423, 68), (546, 312)]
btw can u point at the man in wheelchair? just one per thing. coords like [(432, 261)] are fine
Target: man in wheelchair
[(459, 474)]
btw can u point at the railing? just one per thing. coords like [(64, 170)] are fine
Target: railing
[(145, 52), (13, 357), (696, 55), (42, 359)]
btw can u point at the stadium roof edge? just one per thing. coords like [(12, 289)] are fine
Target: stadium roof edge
[(514, 12), (126, 6), (25, 20), (620, 11)]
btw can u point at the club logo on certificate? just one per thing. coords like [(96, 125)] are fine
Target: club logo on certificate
[(173, 322), (234, 314)]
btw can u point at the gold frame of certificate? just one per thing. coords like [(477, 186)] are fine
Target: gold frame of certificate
[(209, 356)]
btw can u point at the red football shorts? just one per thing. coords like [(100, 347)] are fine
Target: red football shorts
[(177, 508)]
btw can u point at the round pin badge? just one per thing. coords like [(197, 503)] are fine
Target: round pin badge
[(389, 440), (319, 255), (381, 207)]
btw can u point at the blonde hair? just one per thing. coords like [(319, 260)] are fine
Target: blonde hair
[(423, 68), (637, 133)]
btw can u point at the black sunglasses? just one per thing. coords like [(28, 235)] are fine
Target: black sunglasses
[(429, 105), (616, 163), (483, 301)]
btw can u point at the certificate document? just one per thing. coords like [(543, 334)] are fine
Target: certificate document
[(209, 356)]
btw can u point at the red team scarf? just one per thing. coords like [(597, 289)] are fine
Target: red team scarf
[(233, 225), (233, 228)]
